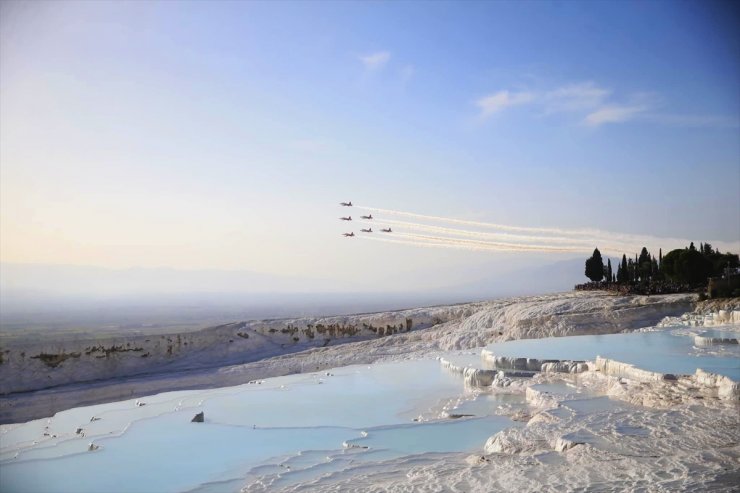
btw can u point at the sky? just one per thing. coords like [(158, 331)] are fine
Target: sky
[(222, 135)]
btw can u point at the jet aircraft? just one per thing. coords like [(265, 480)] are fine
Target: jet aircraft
[(366, 217), (346, 204), (348, 234), (386, 230), (367, 230), (348, 218)]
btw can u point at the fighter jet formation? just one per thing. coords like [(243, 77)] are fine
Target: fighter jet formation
[(369, 217), (462, 234)]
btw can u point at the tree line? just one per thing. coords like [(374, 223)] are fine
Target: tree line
[(690, 266)]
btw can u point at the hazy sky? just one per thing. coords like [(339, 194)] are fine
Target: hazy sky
[(209, 135)]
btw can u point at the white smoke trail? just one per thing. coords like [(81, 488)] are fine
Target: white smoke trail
[(414, 243), (436, 244), (436, 241), (480, 224), (484, 235), (608, 242), (504, 240), (519, 247)]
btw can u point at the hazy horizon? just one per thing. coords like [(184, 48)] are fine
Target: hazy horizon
[(136, 298)]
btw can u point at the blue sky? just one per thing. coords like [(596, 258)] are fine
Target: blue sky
[(222, 134)]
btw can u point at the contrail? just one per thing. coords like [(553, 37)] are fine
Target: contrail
[(415, 243), (505, 239), (481, 234), (502, 237), (608, 242), (480, 224), (501, 245), (432, 241), (434, 244)]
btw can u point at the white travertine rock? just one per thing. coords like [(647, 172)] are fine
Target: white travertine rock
[(725, 317), (515, 441), (563, 444), (565, 367), (532, 364), (625, 370), (726, 387), (539, 399), (475, 377), (703, 341), (70, 372)]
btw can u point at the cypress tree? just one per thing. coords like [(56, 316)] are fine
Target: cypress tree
[(636, 269), (644, 256), (595, 267), (625, 271)]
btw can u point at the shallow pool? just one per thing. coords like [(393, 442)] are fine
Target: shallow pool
[(666, 351), (252, 427)]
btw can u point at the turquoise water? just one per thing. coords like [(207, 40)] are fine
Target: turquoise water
[(456, 435), (487, 404), (720, 334), (246, 427), (664, 351), (164, 455)]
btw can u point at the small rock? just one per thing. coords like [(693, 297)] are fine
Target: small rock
[(475, 460), (92, 447), (198, 418), (562, 444)]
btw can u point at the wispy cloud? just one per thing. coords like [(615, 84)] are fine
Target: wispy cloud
[(494, 103), (575, 97), (594, 106), (580, 97), (613, 114), (375, 61)]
